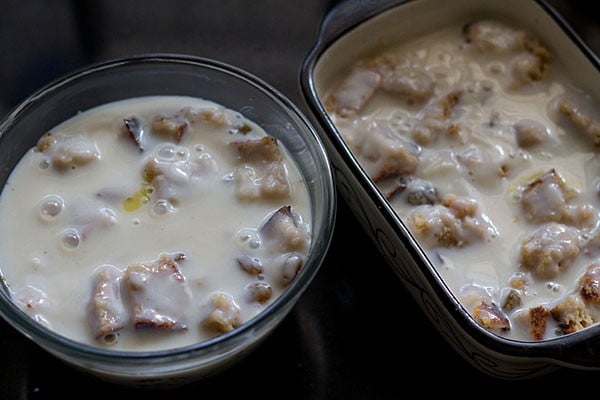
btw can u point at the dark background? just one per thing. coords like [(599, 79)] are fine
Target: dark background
[(355, 333)]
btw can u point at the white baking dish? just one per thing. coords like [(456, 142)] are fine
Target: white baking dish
[(355, 29)]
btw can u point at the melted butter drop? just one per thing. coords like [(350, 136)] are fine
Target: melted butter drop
[(138, 199)]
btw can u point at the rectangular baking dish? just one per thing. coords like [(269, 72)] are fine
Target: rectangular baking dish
[(355, 29)]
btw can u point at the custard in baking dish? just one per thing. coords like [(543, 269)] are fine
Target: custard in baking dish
[(487, 151)]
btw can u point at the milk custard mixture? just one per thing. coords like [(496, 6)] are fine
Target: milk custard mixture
[(152, 223), (489, 154)]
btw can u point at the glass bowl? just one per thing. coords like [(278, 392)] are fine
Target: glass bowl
[(181, 75)]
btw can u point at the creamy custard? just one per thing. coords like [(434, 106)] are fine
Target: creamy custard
[(488, 152), (152, 223)]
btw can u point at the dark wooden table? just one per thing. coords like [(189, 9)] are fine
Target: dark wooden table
[(355, 334)]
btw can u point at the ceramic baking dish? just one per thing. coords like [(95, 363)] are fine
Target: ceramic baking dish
[(355, 29)]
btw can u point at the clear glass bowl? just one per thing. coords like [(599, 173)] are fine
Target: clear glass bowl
[(163, 74)]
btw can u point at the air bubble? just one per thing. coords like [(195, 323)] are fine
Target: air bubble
[(249, 237), (229, 177), (161, 207), (553, 287), (36, 263), (71, 239), (51, 206), (111, 217), (166, 153), (111, 338), (183, 153), (44, 164), (558, 331)]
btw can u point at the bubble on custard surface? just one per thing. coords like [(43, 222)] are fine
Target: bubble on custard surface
[(249, 238), (50, 207), (37, 263), (166, 153), (558, 331), (229, 177), (553, 287), (71, 239), (205, 157), (162, 207), (111, 338), (110, 218), (182, 153), (44, 164)]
